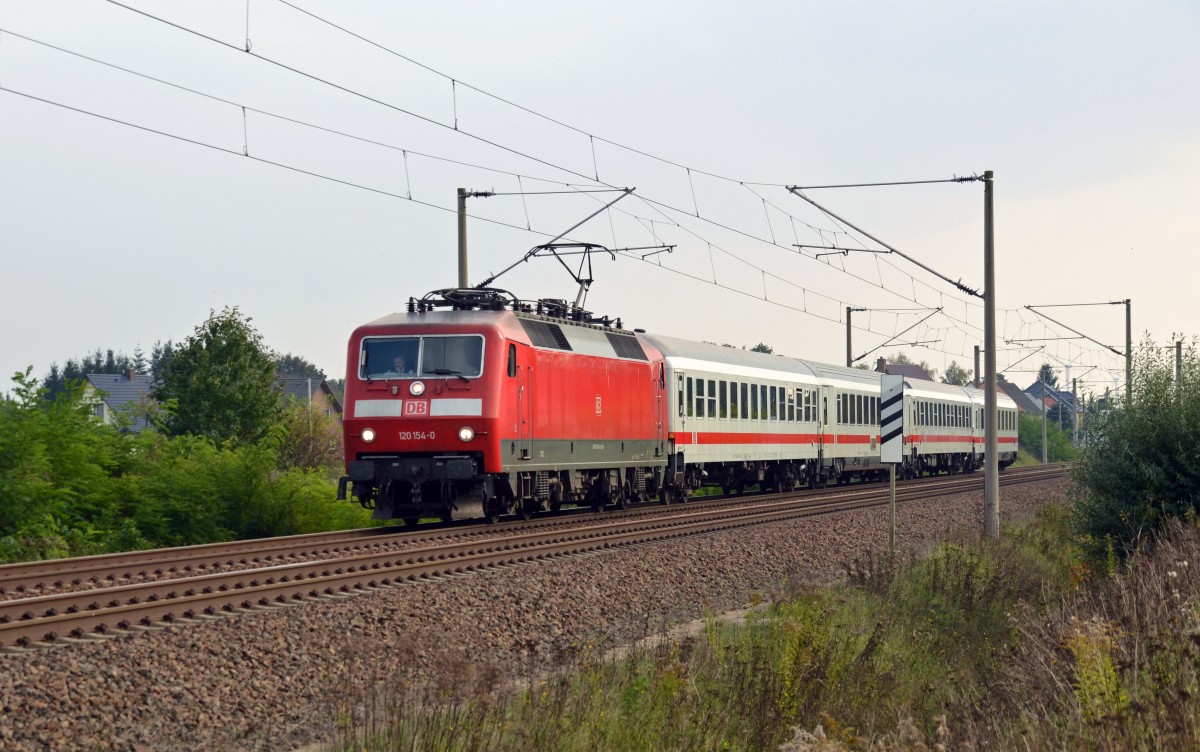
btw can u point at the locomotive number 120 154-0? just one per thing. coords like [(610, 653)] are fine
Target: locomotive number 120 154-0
[(417, 435)]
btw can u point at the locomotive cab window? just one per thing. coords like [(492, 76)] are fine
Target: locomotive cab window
[(428, 357)]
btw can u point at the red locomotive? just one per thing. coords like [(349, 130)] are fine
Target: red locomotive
[(497, 406)]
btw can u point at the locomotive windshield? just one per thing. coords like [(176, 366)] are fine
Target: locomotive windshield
[(424, 357)]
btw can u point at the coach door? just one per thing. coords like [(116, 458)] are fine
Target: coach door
[(525, 404), (682, 402)]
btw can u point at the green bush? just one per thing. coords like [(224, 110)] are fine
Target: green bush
[(1140, 465), (1058, 442), (71, 485)]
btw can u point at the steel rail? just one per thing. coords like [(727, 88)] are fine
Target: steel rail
[(182, 561), (47, 618)]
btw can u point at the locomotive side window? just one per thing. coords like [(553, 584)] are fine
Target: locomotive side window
[(512, 360)]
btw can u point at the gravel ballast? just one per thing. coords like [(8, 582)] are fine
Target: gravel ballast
[(269, 680)]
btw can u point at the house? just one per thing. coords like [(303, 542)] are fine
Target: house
[(120, 395), (1053, 397), (312, 391), (1025, 403), (907, 370)]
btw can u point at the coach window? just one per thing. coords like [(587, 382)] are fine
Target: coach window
[(699, 398), (745, 404), (733, 400), (774, 411), (691, 404), (783, 403), (712, 398), (724, 399), (791, 395)]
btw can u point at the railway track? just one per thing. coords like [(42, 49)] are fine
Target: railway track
[(204, 582)]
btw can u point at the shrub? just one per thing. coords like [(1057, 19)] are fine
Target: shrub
[(1140, 465)]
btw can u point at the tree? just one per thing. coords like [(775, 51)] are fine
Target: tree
[(101, 361), (1047, 375), (309, 439), (1137, 468), (763, 348), (220, 382), (296, 366), (956, 375), (160, 355)]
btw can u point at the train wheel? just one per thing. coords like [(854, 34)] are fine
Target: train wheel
[(524, 510), (411, 521)]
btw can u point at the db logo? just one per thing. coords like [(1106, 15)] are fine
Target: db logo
[(416, 407), (597, 404)]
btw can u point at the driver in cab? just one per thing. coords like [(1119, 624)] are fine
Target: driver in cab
[(400, 367)]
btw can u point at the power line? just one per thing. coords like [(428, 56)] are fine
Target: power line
[(277, 116), (659, 206), (260, 159), (454, 127)]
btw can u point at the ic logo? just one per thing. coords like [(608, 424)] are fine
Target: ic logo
[(597, 404), (416, 407)]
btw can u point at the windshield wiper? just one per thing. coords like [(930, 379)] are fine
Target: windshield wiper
[(449, 372)]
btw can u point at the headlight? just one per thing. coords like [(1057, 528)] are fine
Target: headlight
[(466, 433), (368, 435), (417, 388)]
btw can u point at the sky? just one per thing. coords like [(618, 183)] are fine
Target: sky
[(128, 229)]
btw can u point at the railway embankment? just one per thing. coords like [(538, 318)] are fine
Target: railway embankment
[(271, 678)]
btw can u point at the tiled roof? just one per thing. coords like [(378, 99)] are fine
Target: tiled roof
[(121, 391), (1023, 400), (304, 388), (1034, 391), (907, 370)]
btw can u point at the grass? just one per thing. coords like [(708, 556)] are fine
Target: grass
[(1007, 644)]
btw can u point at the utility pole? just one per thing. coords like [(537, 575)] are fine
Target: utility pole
[(1042, 381), (1075, 412), (463, 195), (1178, 366), (976, 366), (849, 354), (1128, 352), (991, 471), (462, 239)]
